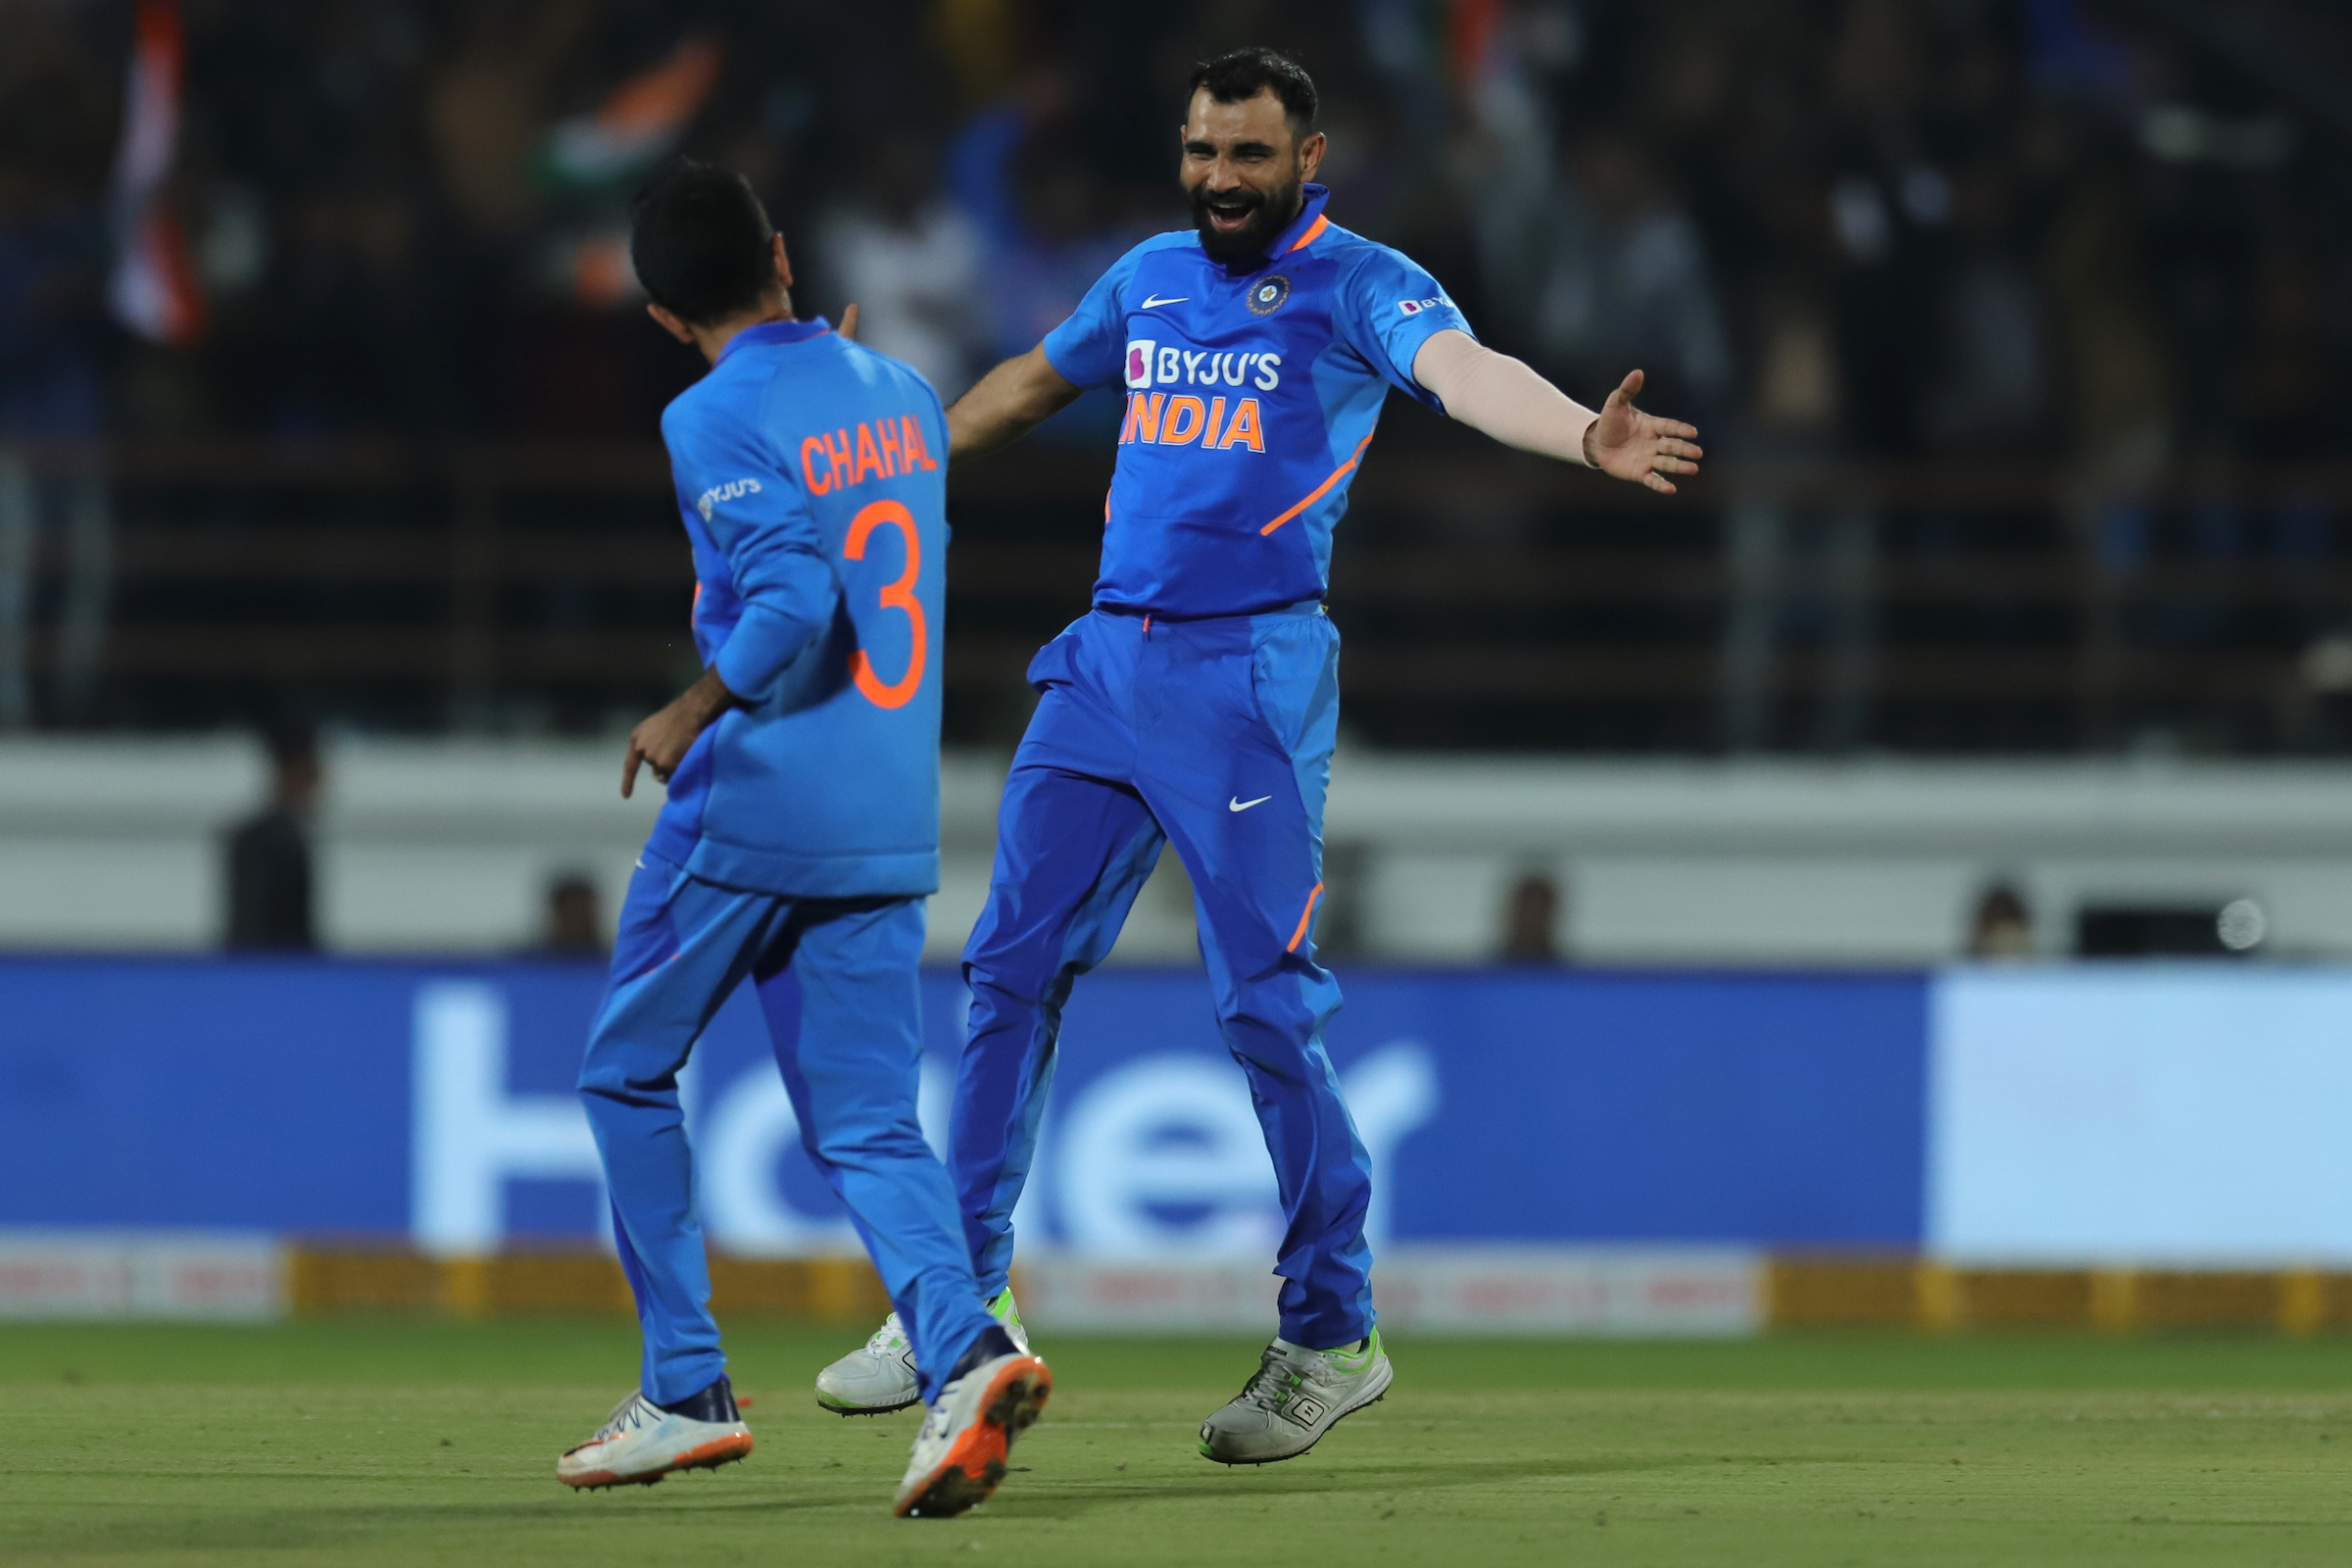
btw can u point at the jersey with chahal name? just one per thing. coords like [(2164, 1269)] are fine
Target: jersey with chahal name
[(810, 475), (1250, 399)]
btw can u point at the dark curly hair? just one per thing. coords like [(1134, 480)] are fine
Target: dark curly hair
[(1244, 74)]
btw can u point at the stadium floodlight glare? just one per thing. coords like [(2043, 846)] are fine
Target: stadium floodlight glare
[(2241, 925)]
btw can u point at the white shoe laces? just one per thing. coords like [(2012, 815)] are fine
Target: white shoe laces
[(888, 1339), (1271, 1386), (627, 1416)]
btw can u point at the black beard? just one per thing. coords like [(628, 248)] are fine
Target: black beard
[(1247, 245)]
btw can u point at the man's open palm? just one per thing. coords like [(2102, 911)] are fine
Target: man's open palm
[(1627, 444)]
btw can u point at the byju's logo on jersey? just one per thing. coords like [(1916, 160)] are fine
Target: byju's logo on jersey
[(711, 498), (1139, 362), (1265, 298), (1416, 307), (1149, 364)]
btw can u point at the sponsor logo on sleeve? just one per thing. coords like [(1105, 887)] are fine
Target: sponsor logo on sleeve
[(1416, 307), (710, 500)]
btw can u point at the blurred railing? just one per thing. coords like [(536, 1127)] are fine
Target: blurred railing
[(1487, 600)]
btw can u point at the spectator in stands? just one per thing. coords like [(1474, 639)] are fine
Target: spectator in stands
[(269, 875), (912, 261), (2002, 927), (575, 919), (1018, 174), (1531, 919), (56, 133), (1989, 388), (1605, 267)]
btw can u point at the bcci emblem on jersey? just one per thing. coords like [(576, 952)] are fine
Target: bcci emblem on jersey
[(1266, 298)]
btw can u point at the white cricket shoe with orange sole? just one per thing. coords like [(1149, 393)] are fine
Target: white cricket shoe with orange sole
[(959, 1454), (640, 1443)]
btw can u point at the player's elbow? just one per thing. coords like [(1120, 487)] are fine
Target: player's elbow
[(1042, 390), (1014, 399)]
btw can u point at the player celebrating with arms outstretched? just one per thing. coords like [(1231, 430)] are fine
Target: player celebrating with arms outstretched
[(1198, 703), (798, 840)]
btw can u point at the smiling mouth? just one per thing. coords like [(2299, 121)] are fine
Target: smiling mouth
[(1229, 220)]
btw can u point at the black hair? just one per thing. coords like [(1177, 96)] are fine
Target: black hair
[(1242, 75), (700, 241)]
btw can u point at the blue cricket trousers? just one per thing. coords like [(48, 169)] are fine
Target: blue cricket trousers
[(1215, 736), (836, 981)]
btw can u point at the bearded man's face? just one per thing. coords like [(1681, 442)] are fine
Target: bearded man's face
[(1243, 171)]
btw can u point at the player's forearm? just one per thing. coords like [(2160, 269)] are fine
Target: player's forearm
[(784, 611), (702, 703), (762, 646), (1009, 402), (1502, 397)]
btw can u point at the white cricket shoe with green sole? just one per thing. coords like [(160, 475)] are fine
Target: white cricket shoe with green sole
[(878, 1377), (1296, 1396)]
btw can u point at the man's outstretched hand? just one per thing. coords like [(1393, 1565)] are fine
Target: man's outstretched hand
[(1627, 444), (662, 741)]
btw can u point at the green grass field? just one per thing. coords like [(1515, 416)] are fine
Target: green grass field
[(390, 1442)]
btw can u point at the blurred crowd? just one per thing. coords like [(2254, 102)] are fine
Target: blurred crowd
[(1868, 228)]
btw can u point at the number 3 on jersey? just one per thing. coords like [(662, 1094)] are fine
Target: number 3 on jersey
[(899, 595)]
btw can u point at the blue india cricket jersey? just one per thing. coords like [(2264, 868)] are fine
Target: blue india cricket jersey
[(1250, 399), (811, 474)]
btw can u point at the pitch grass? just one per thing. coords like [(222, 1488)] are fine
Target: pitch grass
[(389, 1442)]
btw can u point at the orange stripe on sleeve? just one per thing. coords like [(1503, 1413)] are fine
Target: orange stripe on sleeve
[(1304, 915), (1323, 489)]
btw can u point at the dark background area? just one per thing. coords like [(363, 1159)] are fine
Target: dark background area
[(2017, 328)]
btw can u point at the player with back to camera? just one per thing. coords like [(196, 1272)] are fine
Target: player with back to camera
[(1196, 704), (797, 843)]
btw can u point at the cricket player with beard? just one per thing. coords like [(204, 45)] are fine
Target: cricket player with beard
[(1197, 704)]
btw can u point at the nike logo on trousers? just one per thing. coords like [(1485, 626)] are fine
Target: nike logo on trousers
[(1237, 804)]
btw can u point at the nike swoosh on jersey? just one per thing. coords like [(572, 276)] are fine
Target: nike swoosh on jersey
[(1237, 804), (1150, 299)]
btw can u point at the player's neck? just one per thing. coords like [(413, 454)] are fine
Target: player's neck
[(713, 339)]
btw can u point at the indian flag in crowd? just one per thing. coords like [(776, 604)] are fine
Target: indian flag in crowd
[(638, 123), (153, 290)]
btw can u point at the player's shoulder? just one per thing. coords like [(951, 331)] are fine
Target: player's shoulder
[(852, 375), (1360, 256), (883, 370), (688, 416), (1374, 281), (722, 407), (1174, 239), (1173, 244)]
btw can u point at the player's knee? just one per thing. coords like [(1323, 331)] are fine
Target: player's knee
[(863, 1144), (1016, 981)]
